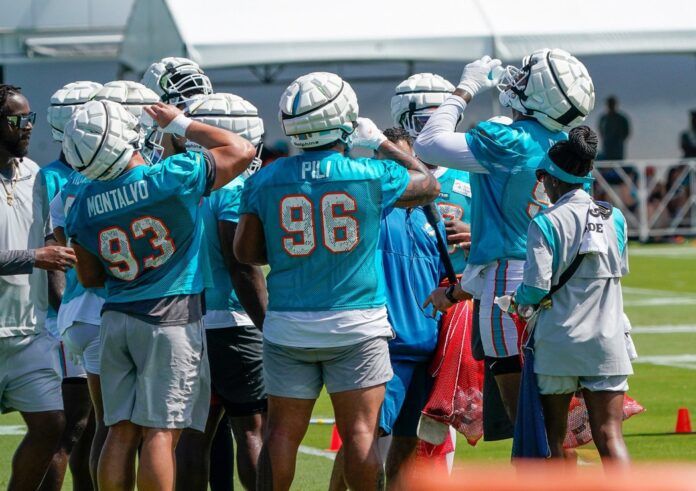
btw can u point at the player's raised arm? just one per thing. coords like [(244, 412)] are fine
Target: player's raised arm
[(438, 143), (422, 185), (231, 152)]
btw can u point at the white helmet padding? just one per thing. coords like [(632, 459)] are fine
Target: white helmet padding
[(552, 86), (415, 98), (177, 80), (232, 113), (133, 96), (318, 109), (100, 139), (65, 101)]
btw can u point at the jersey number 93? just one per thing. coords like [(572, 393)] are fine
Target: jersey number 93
[(115, 247)]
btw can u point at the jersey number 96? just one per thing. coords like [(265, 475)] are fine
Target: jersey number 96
[(339, 230)]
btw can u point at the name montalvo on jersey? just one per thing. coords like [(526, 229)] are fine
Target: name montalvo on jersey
[(118, 198), (313, 168)]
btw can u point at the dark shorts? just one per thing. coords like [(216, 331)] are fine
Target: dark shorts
[(406, 395), (236, 368)]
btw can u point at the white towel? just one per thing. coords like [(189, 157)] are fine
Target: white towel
[(594, 237)]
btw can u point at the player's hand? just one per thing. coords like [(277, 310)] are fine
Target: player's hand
[(367, 135), (439, 301), (163, 114), (458, 234), (55, 258), (480, 75)]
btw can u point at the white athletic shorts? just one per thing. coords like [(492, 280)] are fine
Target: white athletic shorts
[(83, 339), (558, 384), (498, 331), (30, 378), (154, 376)]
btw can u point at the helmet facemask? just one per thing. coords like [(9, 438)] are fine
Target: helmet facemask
[(181, 84), (512, 85)]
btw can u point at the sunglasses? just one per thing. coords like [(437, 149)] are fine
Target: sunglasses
[(21, 121)]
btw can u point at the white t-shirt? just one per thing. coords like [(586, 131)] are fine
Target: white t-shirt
[(326, 329), (219, 319), (24, 225)]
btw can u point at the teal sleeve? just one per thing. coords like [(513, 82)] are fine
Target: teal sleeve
[(622, 238), (187, 173), (497, 147), (548, 231), (248, 202), (529, 295), (394, 180), (225, 203)]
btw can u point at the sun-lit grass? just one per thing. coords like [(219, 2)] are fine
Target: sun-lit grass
[(660, 389)]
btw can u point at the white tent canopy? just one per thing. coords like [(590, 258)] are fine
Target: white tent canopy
[(226, 33)]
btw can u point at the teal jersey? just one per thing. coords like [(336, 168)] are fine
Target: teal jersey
[(321, 218), (55, 176), (221, 205), (505, 199), (454, 203), (146, 228), (73, 288)]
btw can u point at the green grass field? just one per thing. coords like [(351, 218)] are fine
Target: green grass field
[(660, 293)]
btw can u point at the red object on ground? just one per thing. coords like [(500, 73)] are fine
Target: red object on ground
[(683, 421), (336, 441)]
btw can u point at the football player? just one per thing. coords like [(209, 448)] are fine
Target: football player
[(551, 92), (314, 218), (412, 268), (177, 80), (415, 100), (236, 304), (75, 444), (79, 317), (138, 229)]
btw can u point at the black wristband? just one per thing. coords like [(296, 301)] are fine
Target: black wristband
[(448, 293)]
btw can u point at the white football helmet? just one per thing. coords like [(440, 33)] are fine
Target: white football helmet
[(230, 112), (100, 139), (552, 86), (317, 109), (177, 80), (416, 98), (65, 101), (133, 96)]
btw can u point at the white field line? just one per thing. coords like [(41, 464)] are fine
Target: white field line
[(317, 452), (12, 430), (679, 361), (632, 290), (666, 329), (18, 430), (677, 252), (659, 302)]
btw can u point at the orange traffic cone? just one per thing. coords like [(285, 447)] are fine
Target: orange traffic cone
[(683, 421), (336, 441)]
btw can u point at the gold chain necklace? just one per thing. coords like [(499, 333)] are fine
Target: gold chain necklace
[(13, 184)]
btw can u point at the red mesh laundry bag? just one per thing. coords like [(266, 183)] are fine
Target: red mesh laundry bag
[(456, 398)]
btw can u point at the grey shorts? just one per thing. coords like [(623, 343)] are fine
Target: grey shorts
[(30, 378), (558, 384), (299, 373), (154, 376), (84, 340)]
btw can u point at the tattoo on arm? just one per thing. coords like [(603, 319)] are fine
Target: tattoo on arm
[(422, 187)]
